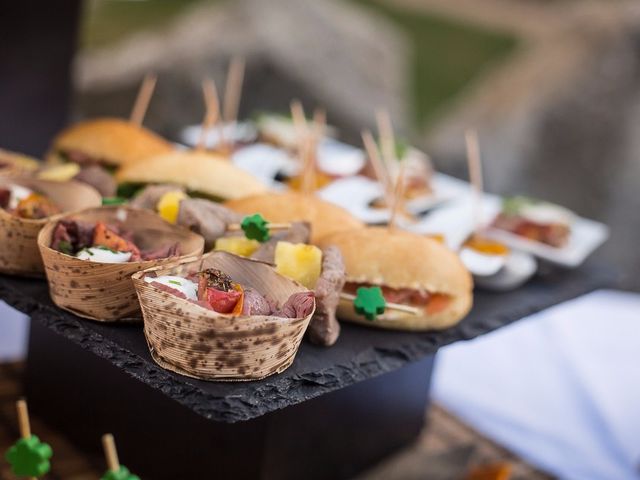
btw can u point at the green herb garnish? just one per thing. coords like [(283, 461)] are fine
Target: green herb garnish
[(175, 282), (65, 247), (102, 247), (513, 205)]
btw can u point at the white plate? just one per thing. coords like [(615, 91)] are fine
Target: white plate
[(340, 159), (586, 236), (264, 161), (239, 132), (356, 193)]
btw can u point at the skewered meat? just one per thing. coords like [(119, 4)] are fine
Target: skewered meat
[(324, 328), (207, 218), (99, 178), (297, 306), (150, 196)]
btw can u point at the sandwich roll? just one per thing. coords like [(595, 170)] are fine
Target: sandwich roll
[(198, 172), (107, 142), (411, 270)]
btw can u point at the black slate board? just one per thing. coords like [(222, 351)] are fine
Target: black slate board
[(359, 354)]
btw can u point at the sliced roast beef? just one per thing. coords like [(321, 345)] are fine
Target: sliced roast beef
[(164, 251), (5, 197), (72, 235), (150, 196), (207, 218), (298, 233), (254, 303), (324, 328), (298, 305), (99, 178)]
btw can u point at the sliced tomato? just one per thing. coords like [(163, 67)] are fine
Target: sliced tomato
[(224, 302), (437, 303), (103, 236)]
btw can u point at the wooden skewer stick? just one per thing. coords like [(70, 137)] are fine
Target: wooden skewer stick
[(212, 111), (110, 452), (23, 422), (398, 197), (233, 89), (311, 148), (144, 97), (23, 419), (303, 140), (234, 227), (391, 306), (212, 103), (378, 167), (387, 140), (475, 175)]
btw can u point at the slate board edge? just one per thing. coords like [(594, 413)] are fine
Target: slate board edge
[(276, 392)]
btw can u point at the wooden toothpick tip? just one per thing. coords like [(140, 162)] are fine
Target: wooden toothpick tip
[(398, 196), (23, 419), (212, 113), (387, 139), (474, 162), (378, 167), (143, 98), (110, 452), (233, 89)]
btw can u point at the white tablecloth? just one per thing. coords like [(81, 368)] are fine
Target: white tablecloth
[(560, 388)]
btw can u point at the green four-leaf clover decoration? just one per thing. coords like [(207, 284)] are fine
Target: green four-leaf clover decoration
[(29, 457), (122, 473), (255, 228), (369, 302)]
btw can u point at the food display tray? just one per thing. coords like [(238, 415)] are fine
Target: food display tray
[(361, 353)]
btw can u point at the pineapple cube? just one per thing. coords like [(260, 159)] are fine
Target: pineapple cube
[(60, 173), (169, 205), (299, 262), (238, 245)]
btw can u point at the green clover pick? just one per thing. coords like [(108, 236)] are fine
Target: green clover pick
[(29, 457), (255, 228), (369, 302), (122, 473)]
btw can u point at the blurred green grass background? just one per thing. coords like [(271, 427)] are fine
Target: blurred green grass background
[(446, 55)]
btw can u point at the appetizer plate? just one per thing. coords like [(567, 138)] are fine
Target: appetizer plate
[(238, 132), (356, 193), (586, 236), (265, 162)]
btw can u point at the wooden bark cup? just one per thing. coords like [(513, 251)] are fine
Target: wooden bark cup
[(192, 340), (103, 291), (19, 253)]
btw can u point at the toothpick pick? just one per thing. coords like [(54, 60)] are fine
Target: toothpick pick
[(23, 419), (311, 151), (387, 140), (213, 111), (378, 167), (389, 306), (233, 89), (23, 422), (302, 141), (110, 452), (234, 227), (398, 196), (143, 98), (475, 175)]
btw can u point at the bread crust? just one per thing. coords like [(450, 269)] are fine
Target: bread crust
[(112, 140), (399, 259), (197, 171), (325, 217)]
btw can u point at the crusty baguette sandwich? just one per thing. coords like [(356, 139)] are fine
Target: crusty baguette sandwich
[(411, 270), (324, 217), (200, 173), (109, 142)]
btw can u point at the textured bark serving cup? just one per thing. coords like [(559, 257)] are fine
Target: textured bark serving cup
[(19, 254), (103, 291), (197, 342)]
